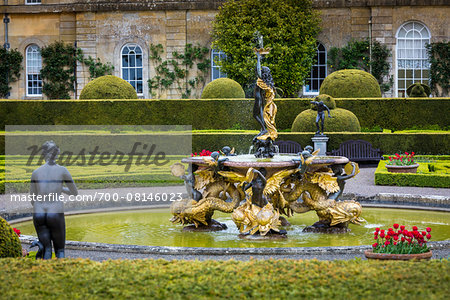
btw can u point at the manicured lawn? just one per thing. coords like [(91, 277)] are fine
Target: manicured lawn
[(259, 279)]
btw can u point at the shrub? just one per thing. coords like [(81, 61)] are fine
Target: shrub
[(418, 90), (108, 87), (342, 120), (224, 279), (326, 99), (350, 84), (10, 67), (9, 241), (223, 88)]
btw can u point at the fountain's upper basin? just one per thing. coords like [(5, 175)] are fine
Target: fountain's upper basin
[(278, 161)]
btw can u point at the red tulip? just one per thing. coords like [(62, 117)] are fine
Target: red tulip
[(375, 237), (395, 238), (415, 228), (378, 229), (424, 233), (402, 227), (412, 153), (395, 243), (428, 229), (395, 225), (403, 239), (406, 153), (387, 243), (382, 235), (375, 245), (17, 231), (428, 236)]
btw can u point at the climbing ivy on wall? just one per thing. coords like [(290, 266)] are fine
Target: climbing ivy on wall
[(355, 55), (59, 66), (95, 67), (439, 57), (175, 72), (58, 60), (10, 67)]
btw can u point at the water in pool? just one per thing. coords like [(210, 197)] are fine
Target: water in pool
[(152, 227)]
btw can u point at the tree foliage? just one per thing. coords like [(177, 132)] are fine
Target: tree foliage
[(10, 67), (58, 70), (289, 28), (439, 56)]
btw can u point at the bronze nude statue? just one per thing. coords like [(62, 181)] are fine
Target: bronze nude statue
[(48, 207), (321, 107)]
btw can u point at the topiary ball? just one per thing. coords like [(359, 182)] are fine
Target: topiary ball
[(342, 120), (326, 99), (9, 241), (418, 90), (223, 88), (108, 87), (350, 84)]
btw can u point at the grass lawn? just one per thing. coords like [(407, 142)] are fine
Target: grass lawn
[(260, 279)]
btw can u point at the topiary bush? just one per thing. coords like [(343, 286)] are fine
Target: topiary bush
[(108, 87), (350, 84), (326, 99), (9, 241), (223, 88), (418, 90), (342, 120)]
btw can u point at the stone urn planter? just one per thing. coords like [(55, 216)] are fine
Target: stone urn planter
[(403, 169), (388, 256)]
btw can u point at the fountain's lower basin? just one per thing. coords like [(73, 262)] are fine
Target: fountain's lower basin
[(150, 227)]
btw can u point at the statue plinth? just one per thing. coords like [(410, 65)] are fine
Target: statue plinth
[(320, 142)]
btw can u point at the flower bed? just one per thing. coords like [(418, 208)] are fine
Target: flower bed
[(433, 171)]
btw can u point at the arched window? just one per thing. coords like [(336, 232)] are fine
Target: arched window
[(318, 72), (412, 59), (33, 69), (131, 66), (217, 56)]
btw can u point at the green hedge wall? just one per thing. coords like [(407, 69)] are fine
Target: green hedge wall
[(420, 143), (434, 143), (389, 113), (227, 279)]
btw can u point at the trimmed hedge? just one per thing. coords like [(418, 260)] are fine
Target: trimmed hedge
[(341, 120), (223, 88), (9, 241), (108, 87), (230, 279), (389, 113), (388, 142), (420, 143), (350, 83), (420, 179)]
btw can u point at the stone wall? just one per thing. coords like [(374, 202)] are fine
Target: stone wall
[(102, 28)]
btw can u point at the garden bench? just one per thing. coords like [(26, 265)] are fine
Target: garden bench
[(288, 146), (358, 151)]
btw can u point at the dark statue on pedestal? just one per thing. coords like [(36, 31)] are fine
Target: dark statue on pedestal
[(48, 210), (264, 110), (321, 107)]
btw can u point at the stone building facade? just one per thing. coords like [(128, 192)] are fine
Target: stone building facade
[(112, 30)]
